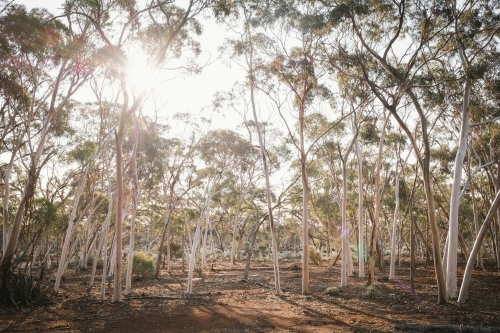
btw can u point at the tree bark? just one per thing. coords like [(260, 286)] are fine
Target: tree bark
[(361, 245), (378, 205), (69, 229), (462, 297), (451, 265), (392, 268), (135, 189)]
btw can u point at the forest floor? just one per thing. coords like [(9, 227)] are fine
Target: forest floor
[(223, 302)]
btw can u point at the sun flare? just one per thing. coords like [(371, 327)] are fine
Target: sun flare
[(141, 76)]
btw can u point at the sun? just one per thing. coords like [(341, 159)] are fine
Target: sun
[(141, 76)]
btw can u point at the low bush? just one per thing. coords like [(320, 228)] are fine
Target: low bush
[(332, 291), (314, 255), (372, 292), (143, 265)]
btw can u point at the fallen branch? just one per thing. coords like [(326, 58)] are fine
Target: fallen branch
[(445, 328)]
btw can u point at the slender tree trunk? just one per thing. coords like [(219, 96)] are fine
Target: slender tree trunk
[(169, 240), (29, 187), (83, 264), (361, 244), (378, 205), (250, 250), (103, 241), (6, 198), (162, 241), (392, 268), (476, 225), (135, 189), (305, 208), (345, 229), (272, 224), (197, 234), (451, 265), (69, 229), (477, 247), (117, 291)]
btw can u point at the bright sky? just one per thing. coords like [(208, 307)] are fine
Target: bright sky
[(192, 93)]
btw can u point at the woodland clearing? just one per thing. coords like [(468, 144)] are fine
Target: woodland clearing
[(223, 302)]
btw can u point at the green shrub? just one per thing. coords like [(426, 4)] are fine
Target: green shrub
[(383, 278), (314, 255), (143, 265), (332, 291), (372, 292)]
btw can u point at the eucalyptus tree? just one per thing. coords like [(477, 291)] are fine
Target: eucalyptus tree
[(162, 30), (465, 52), (235, 157), (41, 58), (179, 177), (391, 75), (252, 46), (398, 143), (294, 66)]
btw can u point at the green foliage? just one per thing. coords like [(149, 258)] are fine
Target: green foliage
[(83, 152), (369, 132), (44, 212), (372, 292), (143, 265), (332, 291)]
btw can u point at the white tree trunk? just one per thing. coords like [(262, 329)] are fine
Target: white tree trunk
[(451, 266), (476, 226), (103, 241), (345, 230), (197, 235), (135, 188), (305, 209), (361, 245), (476, 248), (6, 198), (377, 202), (29, 187), (350, 263), (233, 243), (69, 229), (392, 268)]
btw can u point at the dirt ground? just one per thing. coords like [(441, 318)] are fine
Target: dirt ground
[(223, 302)]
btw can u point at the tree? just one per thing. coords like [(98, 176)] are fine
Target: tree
[(43, 46), (390, 20), (296, 69), (166, 23)]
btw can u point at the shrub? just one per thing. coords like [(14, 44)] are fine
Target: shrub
[(143, 265), (314, 255), (383, 278), (372, 292), (332, 291)]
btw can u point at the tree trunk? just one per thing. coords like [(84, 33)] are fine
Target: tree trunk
[(135, 189), (392, 268), (378, 205), (69, 229), (476, 225), (29, 187), (197, 234), (361, 244), (117, 291), (305, 208), (451, 265), (477, 247)]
